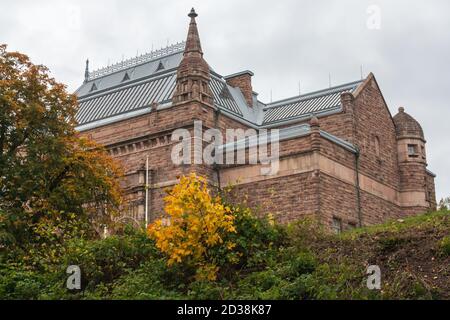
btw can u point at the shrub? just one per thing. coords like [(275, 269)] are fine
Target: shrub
[(18, 282), (108, 259), (304, 263), (197, 223), (257, 239), (445, 245), (152, 281)]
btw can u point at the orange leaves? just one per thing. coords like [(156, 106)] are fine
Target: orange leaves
[(198, 223), (43, 161)]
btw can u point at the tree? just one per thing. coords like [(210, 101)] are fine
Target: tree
[(195, 225), (50, 176), (444, 204)]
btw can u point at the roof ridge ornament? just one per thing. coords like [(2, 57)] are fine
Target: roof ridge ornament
[(86, 72), (143, 58)]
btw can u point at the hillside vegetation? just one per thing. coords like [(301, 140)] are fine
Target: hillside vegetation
[(295, 262)]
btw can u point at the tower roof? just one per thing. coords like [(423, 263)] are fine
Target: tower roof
[(406, 125), (193, 44)]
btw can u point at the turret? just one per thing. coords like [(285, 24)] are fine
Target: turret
[(412, 161), (410, 137), (193, 75)]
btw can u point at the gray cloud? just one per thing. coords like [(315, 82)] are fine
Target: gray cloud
[(283, 42)]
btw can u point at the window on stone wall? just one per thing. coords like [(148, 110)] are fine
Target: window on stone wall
[(133, 211), (352, 225), (337, 225), (413, 150), (424, 155), (377, 146)]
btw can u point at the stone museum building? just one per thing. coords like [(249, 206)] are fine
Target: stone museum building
[(343, 157)]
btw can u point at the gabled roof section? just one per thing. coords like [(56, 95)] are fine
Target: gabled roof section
[(116, 93), (124, 99), (316, 103)]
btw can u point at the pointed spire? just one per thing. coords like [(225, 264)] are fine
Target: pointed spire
[(86, 72), (193, 39), (193, 75)]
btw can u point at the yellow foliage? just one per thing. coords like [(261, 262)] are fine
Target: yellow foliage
[(196, 222)]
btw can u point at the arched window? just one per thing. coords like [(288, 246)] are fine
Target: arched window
[(377, 146)]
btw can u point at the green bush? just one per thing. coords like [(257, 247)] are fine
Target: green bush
[(20, 283), (445, 246), (257, 239), (151, 281), (304, 263), (103, 261)]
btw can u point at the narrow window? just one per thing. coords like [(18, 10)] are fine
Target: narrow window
[(337, 225), (377, 146), (413, 150)]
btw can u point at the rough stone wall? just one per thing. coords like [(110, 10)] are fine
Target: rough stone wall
[(338, 199), (413, 177), (431, 192), (375, 210), (243, 82), (286, 198), (373, 122)]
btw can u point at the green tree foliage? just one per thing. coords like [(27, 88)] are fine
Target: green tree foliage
[(53, 182)]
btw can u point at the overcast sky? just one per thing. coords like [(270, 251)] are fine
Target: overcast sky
[(406, 44)]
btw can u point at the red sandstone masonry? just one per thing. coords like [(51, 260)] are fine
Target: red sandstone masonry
[(373, 120), (297, 200), (243, 81)]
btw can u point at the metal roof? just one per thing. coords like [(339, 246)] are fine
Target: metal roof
[(284, 134), (113, 97), (310, 104), (125, 99), (120, 92)]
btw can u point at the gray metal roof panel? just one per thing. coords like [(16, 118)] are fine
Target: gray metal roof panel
[(146, 85), (313, 103), (136, 95)]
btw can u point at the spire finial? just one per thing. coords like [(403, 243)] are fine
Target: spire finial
[(192, 14), (193, 40), (86, 72)]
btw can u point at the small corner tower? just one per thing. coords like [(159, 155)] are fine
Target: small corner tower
[(193, 75), (414, 180)]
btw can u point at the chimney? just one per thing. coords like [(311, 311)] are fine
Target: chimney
[(243, 81)]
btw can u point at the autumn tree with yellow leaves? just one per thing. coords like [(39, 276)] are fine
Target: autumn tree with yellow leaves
[(196, 224)]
